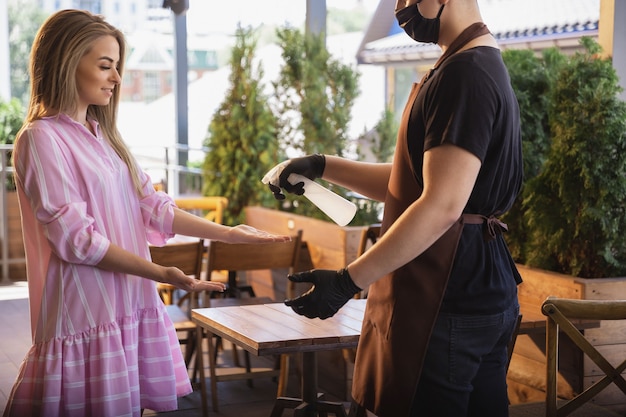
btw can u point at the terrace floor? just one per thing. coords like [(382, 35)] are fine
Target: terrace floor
[(236, 398)]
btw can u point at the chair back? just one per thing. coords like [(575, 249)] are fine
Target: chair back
[(212, 208), (369, 236), (560, 313), (186, 256), (251, 257)]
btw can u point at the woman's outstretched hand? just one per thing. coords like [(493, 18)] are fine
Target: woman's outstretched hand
[(247, 234), (177, 278)]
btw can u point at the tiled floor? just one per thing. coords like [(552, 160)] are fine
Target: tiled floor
[(236, 398), (15, 340)]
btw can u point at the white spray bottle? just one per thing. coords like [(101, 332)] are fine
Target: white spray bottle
[(340, 210)]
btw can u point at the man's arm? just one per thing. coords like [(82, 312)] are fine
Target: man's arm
[(449, 176)]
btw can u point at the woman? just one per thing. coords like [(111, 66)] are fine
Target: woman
[(102, 342)]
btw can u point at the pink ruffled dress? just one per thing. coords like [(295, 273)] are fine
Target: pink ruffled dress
[(102, 342)]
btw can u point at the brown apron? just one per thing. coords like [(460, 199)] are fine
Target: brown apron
[(402, 307)]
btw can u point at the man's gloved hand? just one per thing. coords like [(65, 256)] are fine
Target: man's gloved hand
[(310, 166), (330, 291)]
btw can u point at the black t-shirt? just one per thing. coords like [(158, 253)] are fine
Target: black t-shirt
[(469, 102)]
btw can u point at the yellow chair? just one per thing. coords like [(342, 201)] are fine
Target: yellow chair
[(211, 208)]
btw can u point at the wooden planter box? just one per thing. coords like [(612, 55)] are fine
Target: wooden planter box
[(527, 372), (17, 262), (326, 245)]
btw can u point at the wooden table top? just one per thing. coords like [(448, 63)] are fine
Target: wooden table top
[(274, 328)]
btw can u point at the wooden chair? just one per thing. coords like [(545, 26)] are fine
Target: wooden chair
[(560, 312), (369, 236), (249, 257), (211, 208), (187, 256)]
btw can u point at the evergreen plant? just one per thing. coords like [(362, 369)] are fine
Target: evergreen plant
[(574, 208), (315, 94), (242, 135), (531, 80)]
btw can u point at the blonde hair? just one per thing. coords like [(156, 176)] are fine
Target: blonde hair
[(63, 39)]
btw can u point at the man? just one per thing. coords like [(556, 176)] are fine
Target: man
[(443, 287)]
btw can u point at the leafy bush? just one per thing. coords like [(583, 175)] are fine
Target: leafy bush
[(574, 208), (242, 138), (569, 217), (531, 79), (11, 118), (315, 95)]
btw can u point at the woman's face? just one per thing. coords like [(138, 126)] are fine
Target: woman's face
[(97, 76)]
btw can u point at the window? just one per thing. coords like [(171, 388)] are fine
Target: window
[(151, 86)]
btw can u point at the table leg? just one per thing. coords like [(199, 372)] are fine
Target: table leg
[(200, 362), (212, 370), (309, 377), (311, 404)]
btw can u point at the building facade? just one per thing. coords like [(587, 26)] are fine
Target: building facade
[(520, 24), (150, 60)]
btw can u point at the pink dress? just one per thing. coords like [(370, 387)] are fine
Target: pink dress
[(102, 342)]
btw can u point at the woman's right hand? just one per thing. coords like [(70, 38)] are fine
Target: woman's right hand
[(247, 234)]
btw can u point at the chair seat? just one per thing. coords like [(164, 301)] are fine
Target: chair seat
[(179, 318)]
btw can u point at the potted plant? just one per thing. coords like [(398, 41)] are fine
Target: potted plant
[(569, 224)]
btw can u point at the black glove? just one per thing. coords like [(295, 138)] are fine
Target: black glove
[(310, 166), (330, 291)]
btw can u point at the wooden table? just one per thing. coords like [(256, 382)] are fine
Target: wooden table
[(271, 329)]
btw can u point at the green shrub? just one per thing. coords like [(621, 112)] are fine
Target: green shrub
[(531, 80), (242, 136), (11, 118), (574, 208)]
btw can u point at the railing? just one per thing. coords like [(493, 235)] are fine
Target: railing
[(162, 165), (159, 162)]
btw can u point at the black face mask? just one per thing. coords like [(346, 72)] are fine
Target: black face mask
[(417, 26)]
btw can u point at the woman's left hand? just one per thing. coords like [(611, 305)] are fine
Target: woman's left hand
[(177, 278)]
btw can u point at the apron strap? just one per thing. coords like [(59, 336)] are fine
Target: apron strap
[(493, 225)]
